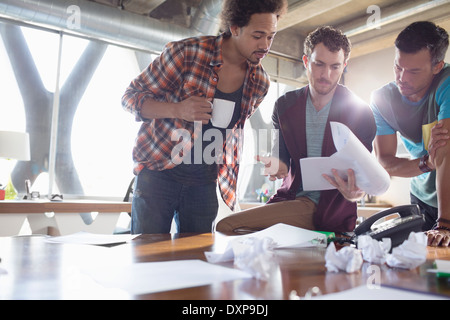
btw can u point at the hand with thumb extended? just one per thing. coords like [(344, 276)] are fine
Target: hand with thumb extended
[(273, 167)]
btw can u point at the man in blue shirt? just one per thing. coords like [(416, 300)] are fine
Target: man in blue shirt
[(412, 105)]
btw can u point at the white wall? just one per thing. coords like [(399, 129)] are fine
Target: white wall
[(370, 72)]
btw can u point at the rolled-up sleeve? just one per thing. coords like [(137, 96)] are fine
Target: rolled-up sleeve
[(156, 81)]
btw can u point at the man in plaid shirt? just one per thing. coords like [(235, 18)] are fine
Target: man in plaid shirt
[(173, 96)]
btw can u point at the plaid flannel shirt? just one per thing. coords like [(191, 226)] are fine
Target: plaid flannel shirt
[(189, 68)]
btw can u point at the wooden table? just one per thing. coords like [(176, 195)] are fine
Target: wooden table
[(66, 206), (59, 217), (41, 270)]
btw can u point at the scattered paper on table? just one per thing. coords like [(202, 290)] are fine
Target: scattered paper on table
[(370, 176), (255, 256), (348, 259), (286, 236), (372, 250), (283, 236), (151, 277), (410, 254), (92, 239)]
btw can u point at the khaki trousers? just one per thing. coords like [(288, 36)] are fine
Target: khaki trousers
[(298, 213)]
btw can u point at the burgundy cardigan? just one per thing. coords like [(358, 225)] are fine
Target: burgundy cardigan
[(334, 212)]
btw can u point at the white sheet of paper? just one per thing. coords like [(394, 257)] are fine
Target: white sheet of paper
[(313, 168), (365, 292), (442, 266), (285, 236), (151, 277), (92, 239), (351, 154)]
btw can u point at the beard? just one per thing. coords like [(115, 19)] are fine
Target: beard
[(405, 89), (324, 87), (257, 57)]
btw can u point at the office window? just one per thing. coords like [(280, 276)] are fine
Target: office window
[(103, 133), (27, 77), (81, 138), (257, 141), (84, 119), (11, 108)]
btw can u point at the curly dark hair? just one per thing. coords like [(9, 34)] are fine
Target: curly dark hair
[(332, 38), (424, 34), (239, 12)]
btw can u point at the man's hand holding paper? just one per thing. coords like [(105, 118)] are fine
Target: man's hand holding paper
[(325, 173), (348, 187)]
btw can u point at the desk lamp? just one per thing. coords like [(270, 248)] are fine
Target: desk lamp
[(14, 145)]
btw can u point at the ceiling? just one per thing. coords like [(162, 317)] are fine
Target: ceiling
[(357, 18), (371, 25)]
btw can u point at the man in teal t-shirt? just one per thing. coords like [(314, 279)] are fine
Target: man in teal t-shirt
[(412, 105)]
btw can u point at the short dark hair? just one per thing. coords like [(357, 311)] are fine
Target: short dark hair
[(332, 38), (424, 35), (239, 12)]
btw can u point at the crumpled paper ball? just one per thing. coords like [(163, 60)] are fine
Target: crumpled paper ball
[(410, 254), (348, 259), (374, 251), (255, 256)]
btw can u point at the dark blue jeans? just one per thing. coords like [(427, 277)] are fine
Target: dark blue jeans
[(430, 213), (157, 200)]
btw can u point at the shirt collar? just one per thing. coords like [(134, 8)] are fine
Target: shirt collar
[(217, 59)]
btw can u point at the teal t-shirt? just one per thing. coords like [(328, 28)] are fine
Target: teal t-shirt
[(395, 113)]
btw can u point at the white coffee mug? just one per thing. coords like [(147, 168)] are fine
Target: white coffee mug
[(222, 112)]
